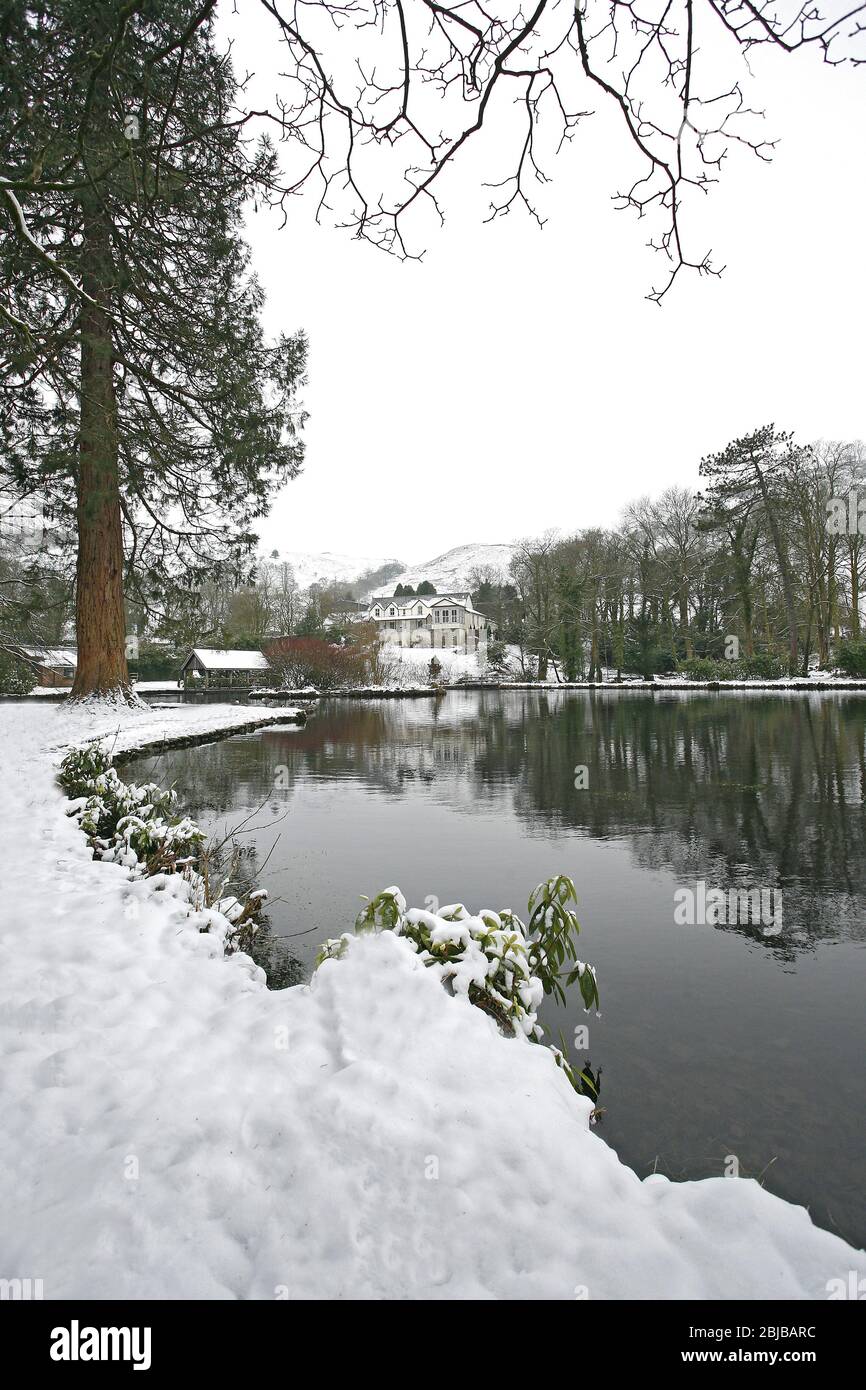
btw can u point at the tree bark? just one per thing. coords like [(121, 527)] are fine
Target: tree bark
[(99, 601), (784, 570), (744, 584), (854, 556)]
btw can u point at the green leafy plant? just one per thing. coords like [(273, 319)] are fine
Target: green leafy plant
[(139, 827), (704, 668), (762, 666), (852, 657), (16, 677), (501, 964)]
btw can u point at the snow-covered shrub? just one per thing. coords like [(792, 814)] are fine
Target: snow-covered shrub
[(139, 827), (126, 823), (501, 964)]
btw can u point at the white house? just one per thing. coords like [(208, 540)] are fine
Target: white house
[(431, 620)]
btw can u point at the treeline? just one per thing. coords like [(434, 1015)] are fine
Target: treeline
[(763, 565), (760, 571)]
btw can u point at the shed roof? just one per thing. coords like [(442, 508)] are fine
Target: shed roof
[(51, 656), (219, 659)]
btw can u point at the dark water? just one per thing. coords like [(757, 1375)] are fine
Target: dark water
[(714, 1041)]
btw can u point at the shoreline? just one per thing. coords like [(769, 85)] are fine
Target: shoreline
[(142, 1039), (786, 685), (194, 740)]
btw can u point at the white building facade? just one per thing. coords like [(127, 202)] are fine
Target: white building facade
[(431, 620)]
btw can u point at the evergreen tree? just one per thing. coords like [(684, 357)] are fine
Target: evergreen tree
[(753, 472), (139, 394)]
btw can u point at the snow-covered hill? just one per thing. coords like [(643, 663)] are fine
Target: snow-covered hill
[(328, 567), (449, 571), (453, 569)]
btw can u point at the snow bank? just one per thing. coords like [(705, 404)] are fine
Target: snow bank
[(415, 661), (170, 1128)]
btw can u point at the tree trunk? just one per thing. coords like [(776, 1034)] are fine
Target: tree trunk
[(99, 603), (684, 619), (744, 585), (784, 570)]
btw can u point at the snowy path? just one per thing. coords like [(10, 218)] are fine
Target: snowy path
[(168, 1127)]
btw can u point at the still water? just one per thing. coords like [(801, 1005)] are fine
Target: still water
[(716, 1043)]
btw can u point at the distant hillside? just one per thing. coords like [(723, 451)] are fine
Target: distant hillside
[(453, 569), (328, 567)]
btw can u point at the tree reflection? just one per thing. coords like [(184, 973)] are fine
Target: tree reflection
[(735, 789)]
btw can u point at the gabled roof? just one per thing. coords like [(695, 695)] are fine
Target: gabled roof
[(51, 656), (404, 603), (218, 659)]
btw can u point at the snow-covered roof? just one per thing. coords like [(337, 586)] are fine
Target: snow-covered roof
[(405, 602), (217, 659), (51, 656)]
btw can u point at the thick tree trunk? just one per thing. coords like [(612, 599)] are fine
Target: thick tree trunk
[(99, 604)]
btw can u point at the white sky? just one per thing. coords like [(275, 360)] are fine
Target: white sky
[(517, 379)]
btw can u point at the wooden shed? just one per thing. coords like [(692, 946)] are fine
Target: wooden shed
[(211, 666)]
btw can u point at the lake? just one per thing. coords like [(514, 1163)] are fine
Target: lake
[(720, 1046)]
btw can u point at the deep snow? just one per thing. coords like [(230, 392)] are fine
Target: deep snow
[(171, 1128)]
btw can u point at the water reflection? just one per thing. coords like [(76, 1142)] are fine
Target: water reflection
[(736, 791), (714, 1040)]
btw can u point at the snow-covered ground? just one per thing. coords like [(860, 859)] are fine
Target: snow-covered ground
[(169, 1127), (412, 664)]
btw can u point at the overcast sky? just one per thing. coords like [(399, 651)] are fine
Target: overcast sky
[(518, 380)]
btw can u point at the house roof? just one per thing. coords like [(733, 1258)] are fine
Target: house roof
[(218, 659), (404, 603), (51, 656)]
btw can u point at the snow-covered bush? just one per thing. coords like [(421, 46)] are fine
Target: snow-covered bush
[(139, 827), (125, 823), (501, 964)]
